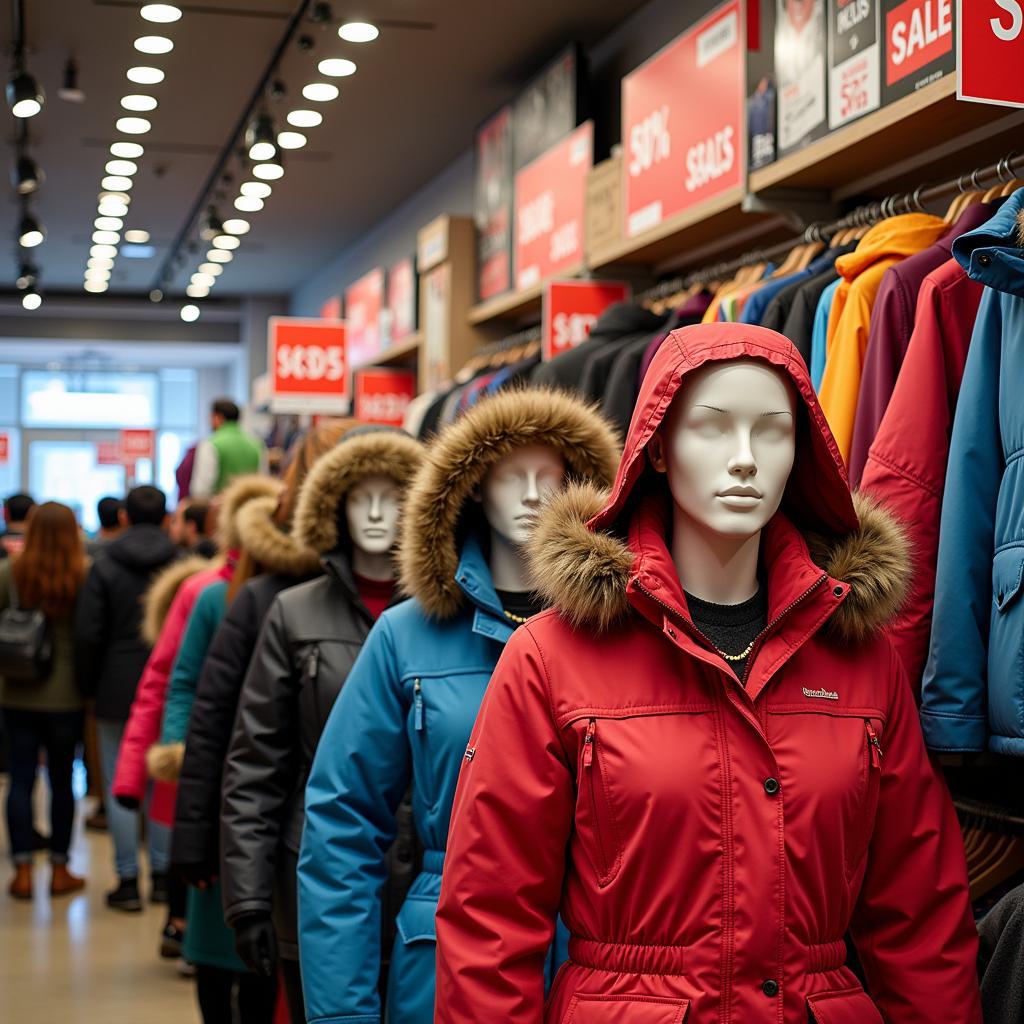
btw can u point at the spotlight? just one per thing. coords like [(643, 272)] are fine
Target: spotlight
[(278, 90), (305, 43), (116, 183), (27, 176), (28, 276), (269, 171), (320, 92), (248, 204), (336, 67), (204, 280), (115, 197), (220, 256), (226, 242), (109, 251), (236, 226), (197, 291), (97, 274), (259, 139), (211, 225), (291, 140), (255, 189), (112, 208), (108, 223), (133, 125), (31, 299), (358, 32), (156, 295), (189, 313), (212, 269), (122, 167), (138, 102), (69, 88), (154, 44), (25, 96), (144, 75), (106, 237), (127, 150), (321, 14), (97, 287), (162, 14), (99, 263), (305, 118), (136, 237), (30, 232)]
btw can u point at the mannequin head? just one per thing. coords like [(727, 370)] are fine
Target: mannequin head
[(371, 513)]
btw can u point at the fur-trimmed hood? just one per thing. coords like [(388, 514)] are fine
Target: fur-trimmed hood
[(359, 455), (156, 602), (239, 493), (273, 548), (581, 561), (457, 462)]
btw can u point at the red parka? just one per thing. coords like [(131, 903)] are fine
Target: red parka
[(708, 842)]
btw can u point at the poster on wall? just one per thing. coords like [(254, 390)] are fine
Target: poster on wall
[(919, 37), (402, 299), (364, 303), (990, 53), (492, 205), (571, 308), (547, 109), (854, 60), (800, 34), (436, 286), (762, 95)]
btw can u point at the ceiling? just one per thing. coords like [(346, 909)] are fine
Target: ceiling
[(409, 110)]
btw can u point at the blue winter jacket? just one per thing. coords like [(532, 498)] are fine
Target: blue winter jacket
[(973, 691)]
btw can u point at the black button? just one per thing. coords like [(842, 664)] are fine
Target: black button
[(838, 591), (999, 597), (984, 259), (771, 786), (770, 988)]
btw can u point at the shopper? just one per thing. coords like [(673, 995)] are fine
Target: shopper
[(707, 757), (111, 654), (17, 509), (192, 526), (228, 452), (44, 714), (108, 511)]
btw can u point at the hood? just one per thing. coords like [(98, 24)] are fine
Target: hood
[(581, 561), (239, 493), (142, 548), (894, 237), (273, 548), (432, 524), (992, 253), (622, 318), (360, 454), (157, 600)]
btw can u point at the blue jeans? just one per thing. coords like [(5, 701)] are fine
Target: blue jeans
[(123, 823)]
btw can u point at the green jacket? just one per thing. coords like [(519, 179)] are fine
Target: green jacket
[(238, 453)]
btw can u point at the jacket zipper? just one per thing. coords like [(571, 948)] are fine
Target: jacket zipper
[(417, 689), (312, 671), (874, 746), (589, 745)]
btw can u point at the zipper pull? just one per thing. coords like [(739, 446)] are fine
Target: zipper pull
[(876, 746), (588, 743), (313, 664), (417, 688)]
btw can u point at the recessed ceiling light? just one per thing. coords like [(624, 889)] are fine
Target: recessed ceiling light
[(24, 95), (128, 150), (255, 189), (143, 75), (163, 14), (236, 226), (291, 140), (99, 262), (133, 125), (259, 137), (106, 237), (205, 280), (138, 102), (121, 167), (30, 232), (136, 236), (220, 256), (336, 67), (112, 208), (320, 92), (197, 291), (116, 183), (305, 118), (189, 313), (154, 44), (108, 223), (226, 242), (95, 286), (120, 196), (213, 269), (95, 274), (268, 172), (103, 250), (358, 32)]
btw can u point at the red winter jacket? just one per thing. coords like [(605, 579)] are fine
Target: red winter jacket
[(708, 843)]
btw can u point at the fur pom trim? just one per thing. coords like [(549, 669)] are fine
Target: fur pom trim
[(379, 453), (459, 459), (164, 761), (156, 602), (273, 548), (239, 493)]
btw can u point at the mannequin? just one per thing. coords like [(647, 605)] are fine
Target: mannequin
[(407, 710), (776, 798), (347, 513)]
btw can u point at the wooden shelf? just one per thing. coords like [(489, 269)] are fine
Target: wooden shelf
[(515, 305), (404, 351)]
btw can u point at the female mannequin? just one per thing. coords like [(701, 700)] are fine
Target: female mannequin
[(348, 513), (408, 707), (709, 837)]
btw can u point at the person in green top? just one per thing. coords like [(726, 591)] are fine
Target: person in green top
[(228, 452)]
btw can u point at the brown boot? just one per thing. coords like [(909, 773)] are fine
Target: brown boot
[(21, 885), (63, 882)]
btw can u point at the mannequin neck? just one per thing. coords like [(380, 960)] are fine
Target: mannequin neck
[(722, 570), (372, 566), (508, 565)]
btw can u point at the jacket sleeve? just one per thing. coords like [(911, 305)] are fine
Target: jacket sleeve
[(194, 839), (259, 774), (915, 885), (502, 882), (91, 631), (188, 665), (359, 775), (204, 470), (954, 706)]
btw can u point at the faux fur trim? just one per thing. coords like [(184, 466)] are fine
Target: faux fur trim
[(459, 459), (1020, 229), (156, 602), (164, 761), (584, 574), (268, 544), (380, 453), (240, 492)]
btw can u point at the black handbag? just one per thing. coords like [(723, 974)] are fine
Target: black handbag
[(26, 644)]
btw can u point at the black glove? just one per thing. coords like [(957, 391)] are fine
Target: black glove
[(256, 943), (129, 803), (200, 874)]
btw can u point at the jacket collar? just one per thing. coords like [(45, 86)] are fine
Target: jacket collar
[(474, 580), (992, 253)]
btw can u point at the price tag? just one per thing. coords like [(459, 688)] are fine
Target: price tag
[(308, 365), (571, 308), (991, 51)]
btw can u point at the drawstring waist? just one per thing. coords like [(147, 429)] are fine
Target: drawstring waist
[(433, 862)]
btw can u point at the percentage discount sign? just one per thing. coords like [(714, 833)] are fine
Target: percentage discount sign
[(650, 141)]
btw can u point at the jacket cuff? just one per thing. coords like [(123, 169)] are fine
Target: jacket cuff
[(954, 733), (250, 906)]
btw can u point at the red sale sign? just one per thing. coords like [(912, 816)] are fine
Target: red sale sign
[(331, 309), (383, 395), (990, 52), (682, 122), (308, 365), (5, 449), (918, 32), (549, 206), (108, 453), (402, 299), (137, 444), (364, 302), (571, 309)]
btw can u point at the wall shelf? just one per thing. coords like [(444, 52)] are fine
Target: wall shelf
[(405, 351), (515, 305)]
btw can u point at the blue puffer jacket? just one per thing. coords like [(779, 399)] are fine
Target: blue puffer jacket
[(973, 692), (407, 712)]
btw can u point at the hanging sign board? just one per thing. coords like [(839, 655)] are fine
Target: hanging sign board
[(383, 395), (364, 302), (137, 444), (108, 453), (854, 58), (402, 299), (331, 309), (570, 310), (492, 205), (549, 208), (5, 449), (308, 365), (918, 44), (990, 51), (682, 122)]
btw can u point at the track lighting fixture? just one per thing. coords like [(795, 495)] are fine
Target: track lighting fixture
[(24, 94), (248, 204), (144, 75), (278, 90), (189, 313), (161, 14), (127, 150), (28, 276), (337, 67), (305, 43), (69, 90), (220, 256), (156, 295), (30, 232), (320, 92), (133, 125), (31, 299), (291, 140), (236, 226), (211, 225), (321, 14), (269, 170), (358, 32), (226, 242), (27, 176), (136, 236), (305, 118), (260, 139), (154, 44)]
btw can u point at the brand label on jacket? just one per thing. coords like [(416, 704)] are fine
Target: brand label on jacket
[(820, 694)]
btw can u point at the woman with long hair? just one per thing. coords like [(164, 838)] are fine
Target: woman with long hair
[(47, 713)]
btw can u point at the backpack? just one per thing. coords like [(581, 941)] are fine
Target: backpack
[(26, 644)]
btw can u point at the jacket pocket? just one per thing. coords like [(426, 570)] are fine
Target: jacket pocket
[(423, 769), (872, 775), (851, 1007), (590, 1008), (595, 814), (1006, 643), (415, 921)]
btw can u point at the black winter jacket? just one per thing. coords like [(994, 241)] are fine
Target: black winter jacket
[(110, 652)]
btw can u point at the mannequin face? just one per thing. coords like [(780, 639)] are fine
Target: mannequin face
[(728, 447), (515, 488), (371, 511)]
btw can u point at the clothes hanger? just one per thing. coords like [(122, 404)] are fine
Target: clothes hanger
[(997, 189), (1013, 183)]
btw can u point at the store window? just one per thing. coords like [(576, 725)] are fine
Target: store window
[(57, 398)]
